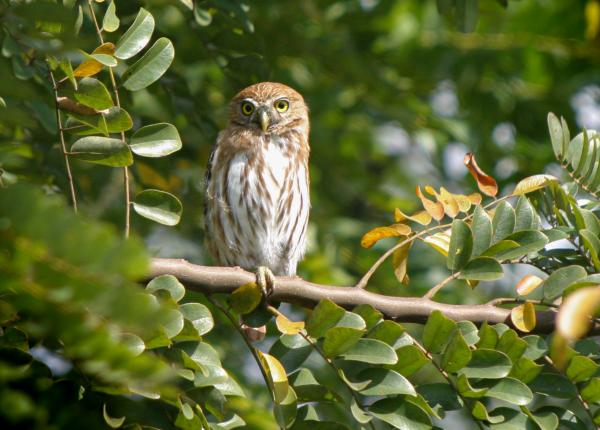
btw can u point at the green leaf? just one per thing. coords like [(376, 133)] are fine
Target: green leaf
[(503, 222), (512, 420), (545, 420), (371, 351), (525, 216), (159, 206), (369, 314), (168, 283), (291, 351), (199, 316), (487, 364), (501, 248), (358, 413), (150, 67), (340, 339), (553, 385), (92, 93), (113, 120), (137, 36), (482, 269), (457, 354), (437, 332), (591, 242), (560, 280), (440, 395), (324, 316), (512, 345), (67, 68), (591, 392), (466, 390), (581, 368), (469, 332), (482, 231), (384, 382), (410, 359), (202, 16), (556, 136), (285, 411), (110, 22), (526, 370), (114, 423), (461, 245), (510, 390), (528, 240), (156, 140), (400, 415), (466, 15), (102, 150), (308, 389), (536, 347), (387, 331), (488, 337), (480, 412), (246, 298)]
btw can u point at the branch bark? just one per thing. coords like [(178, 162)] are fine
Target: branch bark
[(295, 290)]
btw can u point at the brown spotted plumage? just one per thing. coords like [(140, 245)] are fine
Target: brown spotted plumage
[(257, 194)]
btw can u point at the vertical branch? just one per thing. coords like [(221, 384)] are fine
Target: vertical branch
[(62, 140), (118, 104)]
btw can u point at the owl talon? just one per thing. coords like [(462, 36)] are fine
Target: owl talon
[(265, 280)]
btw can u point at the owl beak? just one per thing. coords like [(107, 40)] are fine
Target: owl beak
[(263, 119)]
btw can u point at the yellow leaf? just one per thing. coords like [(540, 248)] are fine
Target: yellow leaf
[(574, 316), (528, 284), (523, 317), (400, 262), (435, 209), (276, 375), (486, 184), (378, 233), (464, 204), (439, 241), (592, 19), (475, 198), (92, 67), (286, 326), (246, 298), (421, 217), (449, 202), (533, 183)]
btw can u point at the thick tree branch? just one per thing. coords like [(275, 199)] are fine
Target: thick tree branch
[(295, 290)]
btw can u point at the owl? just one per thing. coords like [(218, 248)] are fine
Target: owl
[(257, 183)]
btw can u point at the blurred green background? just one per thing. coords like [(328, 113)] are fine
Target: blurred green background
[(397, 92)]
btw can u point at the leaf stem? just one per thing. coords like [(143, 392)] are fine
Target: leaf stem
[(251, 347), (62, 140), (327, 360), (432, 292), (118, 104), (447, 378)]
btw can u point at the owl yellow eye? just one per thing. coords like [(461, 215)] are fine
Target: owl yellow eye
[(282, 105), (247, 108)]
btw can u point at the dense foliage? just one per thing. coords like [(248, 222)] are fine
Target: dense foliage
[(108, 106)]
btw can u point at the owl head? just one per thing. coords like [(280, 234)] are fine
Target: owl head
[(269, 107)]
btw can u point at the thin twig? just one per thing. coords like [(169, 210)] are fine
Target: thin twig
[(327, 360), (62, 140), (432, 292), (251, 347), (447, 378), (118, 104), (365, 279)]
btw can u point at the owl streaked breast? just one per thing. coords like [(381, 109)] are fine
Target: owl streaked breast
[(257, 189)]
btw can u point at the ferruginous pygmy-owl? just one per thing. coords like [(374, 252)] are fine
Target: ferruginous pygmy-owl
[(257, 186)]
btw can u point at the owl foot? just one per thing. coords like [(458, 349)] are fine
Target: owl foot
[(265, 280)]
